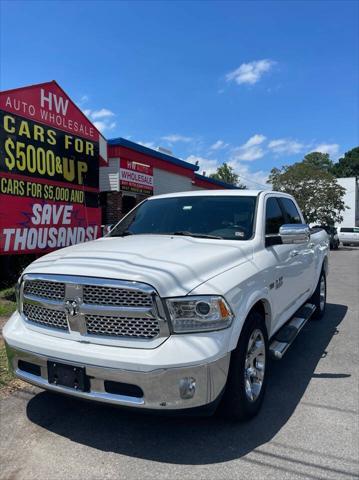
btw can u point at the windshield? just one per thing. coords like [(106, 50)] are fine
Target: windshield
[(222, 217)]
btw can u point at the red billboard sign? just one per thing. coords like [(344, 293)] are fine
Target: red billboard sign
[(136, 177), (49, 171)]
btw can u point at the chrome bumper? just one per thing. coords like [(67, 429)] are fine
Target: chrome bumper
[(164, 389)]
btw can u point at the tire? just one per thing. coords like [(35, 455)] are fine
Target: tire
[(319, 297), (236, 403)]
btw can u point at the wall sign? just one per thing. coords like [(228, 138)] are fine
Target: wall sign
[(49, 171), (136, 177)]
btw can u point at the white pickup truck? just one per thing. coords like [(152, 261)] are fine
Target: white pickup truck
[(178, 308)]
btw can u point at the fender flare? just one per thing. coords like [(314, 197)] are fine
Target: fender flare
[(242, 315), (324, 265)]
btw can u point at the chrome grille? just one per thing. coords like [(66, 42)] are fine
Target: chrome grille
[(122, 326), (93, 307), (45, 289), (113, 296), (45, 316)]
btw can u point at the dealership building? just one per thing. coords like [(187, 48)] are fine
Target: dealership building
[(132, 172)]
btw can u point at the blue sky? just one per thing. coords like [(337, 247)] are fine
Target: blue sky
[(256, 84)]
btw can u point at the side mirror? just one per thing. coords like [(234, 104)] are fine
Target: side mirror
[(296, 233)]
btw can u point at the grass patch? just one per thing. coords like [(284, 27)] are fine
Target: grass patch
[(5, 375), (6, 309), (8, 294), (7, 302), (8, 382)]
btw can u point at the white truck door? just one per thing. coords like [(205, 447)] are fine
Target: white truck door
[(304, 252), (288, 266)]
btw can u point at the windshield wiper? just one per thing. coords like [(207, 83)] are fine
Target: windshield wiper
[(122, 234), (184, 233)]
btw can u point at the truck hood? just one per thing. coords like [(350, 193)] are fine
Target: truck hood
[(172, 265)]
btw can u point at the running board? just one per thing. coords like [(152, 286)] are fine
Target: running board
[(284, 338)]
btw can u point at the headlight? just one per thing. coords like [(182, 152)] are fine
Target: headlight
[(199, 313)]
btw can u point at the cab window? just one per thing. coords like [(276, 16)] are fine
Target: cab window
[(290, 211), (274, 217)]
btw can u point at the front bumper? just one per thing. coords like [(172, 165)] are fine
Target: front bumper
[(162, 388)]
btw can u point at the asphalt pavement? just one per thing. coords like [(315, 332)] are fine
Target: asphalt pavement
[(307, 429)]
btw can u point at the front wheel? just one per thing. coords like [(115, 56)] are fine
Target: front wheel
[(319, 297), (248, 370)]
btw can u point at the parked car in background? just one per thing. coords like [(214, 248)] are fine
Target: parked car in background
[(177, 308), (349, 235), (332, 234)]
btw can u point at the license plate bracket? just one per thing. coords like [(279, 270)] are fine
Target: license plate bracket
[(69, 376)]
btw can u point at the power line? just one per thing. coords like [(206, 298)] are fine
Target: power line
[(257, 183)]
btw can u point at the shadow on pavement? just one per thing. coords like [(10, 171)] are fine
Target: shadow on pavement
[(191, 440)]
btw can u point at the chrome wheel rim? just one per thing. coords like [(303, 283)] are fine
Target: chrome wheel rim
[(255, 364), (322, 293)]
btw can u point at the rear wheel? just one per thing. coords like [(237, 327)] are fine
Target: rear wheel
[(319, 297), (247, 375)]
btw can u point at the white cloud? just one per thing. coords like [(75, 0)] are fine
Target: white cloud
[(102, 113), (205, 164), (173, 138), (254, 180), (219, 145), (286, 146), (148, 144), (251, 72), (248, 155), (331, 148), (104, 125), (256, 139), (101, 118), (257, 146), (83, 99), (251, 150)]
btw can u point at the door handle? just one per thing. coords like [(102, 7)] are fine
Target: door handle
[(294, 253)]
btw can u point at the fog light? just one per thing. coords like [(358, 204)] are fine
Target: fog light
[(187, 387)]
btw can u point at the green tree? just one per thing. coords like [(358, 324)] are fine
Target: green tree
[(347, 166), (318, 160), (316, 190), (225, 173)]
